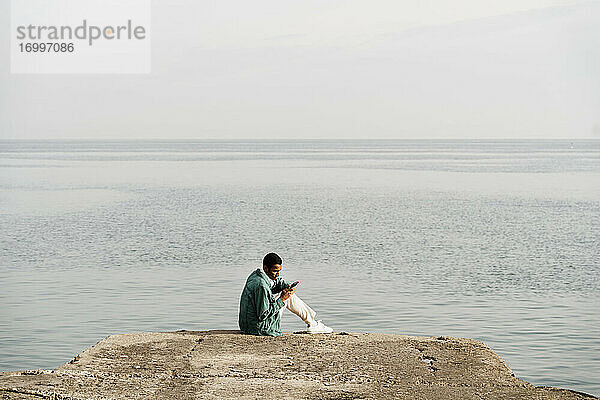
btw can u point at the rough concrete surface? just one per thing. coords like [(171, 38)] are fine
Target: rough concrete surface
[(229, 365)]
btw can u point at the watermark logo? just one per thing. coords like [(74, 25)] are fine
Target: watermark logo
[(80, 36)]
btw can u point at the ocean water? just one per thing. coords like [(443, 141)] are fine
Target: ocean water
[(492, 240)]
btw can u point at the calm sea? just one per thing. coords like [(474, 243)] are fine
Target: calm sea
[(492, 240)]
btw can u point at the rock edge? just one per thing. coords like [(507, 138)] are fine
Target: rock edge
[(230, 365)]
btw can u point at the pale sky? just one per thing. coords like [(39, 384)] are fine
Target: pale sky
[(332, 69)]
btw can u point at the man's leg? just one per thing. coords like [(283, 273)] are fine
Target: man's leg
[(301, 309)]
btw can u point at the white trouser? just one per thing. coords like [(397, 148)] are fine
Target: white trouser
[(300, 308)]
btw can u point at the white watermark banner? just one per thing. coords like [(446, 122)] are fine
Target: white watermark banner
[(80, 36)]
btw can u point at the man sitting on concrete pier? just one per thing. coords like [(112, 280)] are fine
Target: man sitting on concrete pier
[(264, 298)]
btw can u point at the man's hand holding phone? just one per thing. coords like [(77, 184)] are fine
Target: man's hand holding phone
[(286, 293)]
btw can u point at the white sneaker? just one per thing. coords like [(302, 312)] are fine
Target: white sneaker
[(319, 327)]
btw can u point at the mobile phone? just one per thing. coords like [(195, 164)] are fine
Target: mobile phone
[(293, 284)]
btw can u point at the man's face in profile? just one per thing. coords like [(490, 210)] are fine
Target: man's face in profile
[(273, 271)]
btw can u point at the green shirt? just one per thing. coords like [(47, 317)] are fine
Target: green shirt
[(259, 311)]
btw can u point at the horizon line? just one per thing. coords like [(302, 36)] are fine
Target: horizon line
[(288, 139)]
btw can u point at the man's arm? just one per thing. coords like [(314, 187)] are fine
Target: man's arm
[(265, 308), (280, 284)]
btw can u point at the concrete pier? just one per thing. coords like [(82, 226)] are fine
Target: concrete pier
[(229, 365)]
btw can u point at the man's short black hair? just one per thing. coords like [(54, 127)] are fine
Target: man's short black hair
[(271, 259)]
